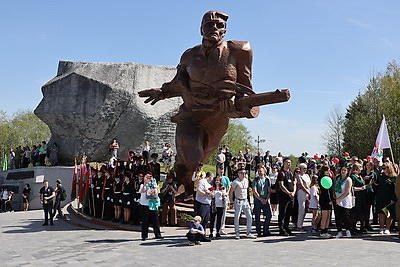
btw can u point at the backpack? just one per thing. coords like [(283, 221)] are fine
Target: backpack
[(63, 195)]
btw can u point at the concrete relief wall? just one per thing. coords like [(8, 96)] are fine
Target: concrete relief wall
[(88, 104)]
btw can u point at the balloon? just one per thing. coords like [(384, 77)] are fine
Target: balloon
[(346, 154), (326, 182), (369, 158), (335, 160)]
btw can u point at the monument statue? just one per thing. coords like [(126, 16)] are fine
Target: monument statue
[(214, 81)]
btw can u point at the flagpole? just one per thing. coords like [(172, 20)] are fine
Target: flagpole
[(391, 152)]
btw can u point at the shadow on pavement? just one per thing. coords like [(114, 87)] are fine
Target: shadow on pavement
[(111, 241)]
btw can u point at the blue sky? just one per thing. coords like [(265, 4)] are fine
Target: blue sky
[(323, 51)]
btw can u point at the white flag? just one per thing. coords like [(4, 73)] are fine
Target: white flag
[(382, 141)]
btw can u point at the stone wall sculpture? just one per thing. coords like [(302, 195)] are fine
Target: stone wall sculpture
[(88, 104)]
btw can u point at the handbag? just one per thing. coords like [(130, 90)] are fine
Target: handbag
[(353, 198)]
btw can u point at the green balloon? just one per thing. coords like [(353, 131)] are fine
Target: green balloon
[(326, 182)]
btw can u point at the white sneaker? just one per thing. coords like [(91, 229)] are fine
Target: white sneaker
[(348, 233), (237, 236), (222, 232), (386, 232), (328, 235), (382, 231), (251, 236), (339, 235)]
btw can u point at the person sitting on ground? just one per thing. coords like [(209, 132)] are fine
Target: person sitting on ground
[(196, 232)]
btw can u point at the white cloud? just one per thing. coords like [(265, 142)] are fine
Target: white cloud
[(358, 23)]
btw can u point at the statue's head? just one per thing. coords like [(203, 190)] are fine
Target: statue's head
[(213, 26)]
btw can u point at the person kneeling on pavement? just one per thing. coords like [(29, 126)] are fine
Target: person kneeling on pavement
[(196, 232)]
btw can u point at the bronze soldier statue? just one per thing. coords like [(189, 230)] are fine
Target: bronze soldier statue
[(214, 80)]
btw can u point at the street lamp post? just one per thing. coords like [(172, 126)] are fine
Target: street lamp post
[(258, 141)]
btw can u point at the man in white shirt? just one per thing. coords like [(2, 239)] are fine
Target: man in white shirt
[(240, 186), (220, 158), (203, 199)]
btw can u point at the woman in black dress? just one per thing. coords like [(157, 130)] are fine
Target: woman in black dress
[(127, 197), (385, 197), (117, 198), (25, 196), (325, 202)]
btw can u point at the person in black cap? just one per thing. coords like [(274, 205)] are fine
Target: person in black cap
[(46, 196), (117, 198), (127, 197), (108, 207), (155, 167), (60, 196)]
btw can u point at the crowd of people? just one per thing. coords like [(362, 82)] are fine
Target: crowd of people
[(128, 192), (23, 157), (359, 192), (352, 189)]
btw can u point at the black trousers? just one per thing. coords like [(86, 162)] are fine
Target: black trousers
[(136, 213), (204, 211), (48, 211), (149, 217), (342, 218), (218, 213), (285, 211), (57, 207), (194, 237)]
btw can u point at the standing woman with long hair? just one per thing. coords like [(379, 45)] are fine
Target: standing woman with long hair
[(369, 178), (359, 210), (385, 197), (325, 202), (343, 205)]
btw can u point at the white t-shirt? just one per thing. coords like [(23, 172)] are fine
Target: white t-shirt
[(143, 199), (204, 186), (347, 201), (313, 197), (304, 180), (220, 158), (219, 200), (272, 177)]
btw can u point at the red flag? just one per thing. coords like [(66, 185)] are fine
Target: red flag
[(82, 172), (73, 190)]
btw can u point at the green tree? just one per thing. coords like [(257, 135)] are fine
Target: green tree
[(364, 115), (334, 135), (23, 128), (237, 138)]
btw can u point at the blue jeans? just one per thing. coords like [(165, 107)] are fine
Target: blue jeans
[(258, 207), (242, 204)]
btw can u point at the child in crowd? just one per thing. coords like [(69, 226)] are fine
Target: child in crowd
[(196, 232), (314, 202)]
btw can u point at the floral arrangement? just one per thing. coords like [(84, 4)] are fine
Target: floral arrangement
[(213, 188), (185, 217)]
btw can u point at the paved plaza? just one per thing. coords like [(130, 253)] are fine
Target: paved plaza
[(24, 241)]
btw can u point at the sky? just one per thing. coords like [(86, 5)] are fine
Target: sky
[(325, 52)]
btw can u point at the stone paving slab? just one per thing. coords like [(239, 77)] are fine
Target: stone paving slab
[(24, 241)]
